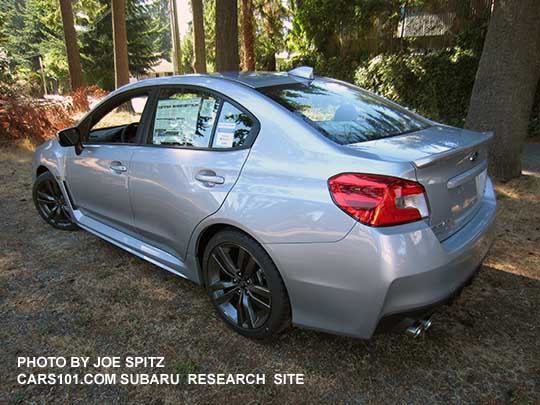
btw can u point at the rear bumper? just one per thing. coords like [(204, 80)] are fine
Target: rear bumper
[(375, 274), (401, 320)]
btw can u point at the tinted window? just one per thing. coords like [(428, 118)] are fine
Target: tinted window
[(345, 114), (184, 118), (120, 124), (234, 128)]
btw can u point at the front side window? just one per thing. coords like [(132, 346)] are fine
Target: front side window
[(345, 114), (234, 128), (184, 118), (120, 124)]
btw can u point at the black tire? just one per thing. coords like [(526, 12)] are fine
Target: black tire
[(50, 203), (261, 284)]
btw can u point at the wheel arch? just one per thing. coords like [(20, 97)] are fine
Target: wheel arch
[(212, 229), (208, 233), (41, 169)]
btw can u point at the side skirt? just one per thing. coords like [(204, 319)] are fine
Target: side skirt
[(133, 245)]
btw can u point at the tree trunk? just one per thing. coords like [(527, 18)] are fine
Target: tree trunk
[(121, 62), (199, 47), (72, 46), (227, 59), (248, 35), (175, 35), (270, 17), (506, 81)]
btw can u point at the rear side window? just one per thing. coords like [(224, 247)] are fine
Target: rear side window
[(234, 128), (345, 114), (199, 119), (184, 118)]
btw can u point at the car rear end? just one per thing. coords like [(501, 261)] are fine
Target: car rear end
[(419, 237), (459, 228)]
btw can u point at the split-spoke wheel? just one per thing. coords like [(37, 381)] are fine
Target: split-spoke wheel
[(245, 286), (50, 202)]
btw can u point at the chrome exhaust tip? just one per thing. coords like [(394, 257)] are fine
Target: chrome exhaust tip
[(418, 328), (426, 323), (415, 330)]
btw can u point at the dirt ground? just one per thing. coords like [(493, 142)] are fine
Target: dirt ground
[(72, 294)]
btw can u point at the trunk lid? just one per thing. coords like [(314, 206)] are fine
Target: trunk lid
[(450, 163)]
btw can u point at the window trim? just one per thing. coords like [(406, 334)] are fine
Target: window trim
[(222, 98), (117, 100)]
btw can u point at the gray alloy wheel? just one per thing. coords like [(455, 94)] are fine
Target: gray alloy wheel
[(244, 285), (50, 202)]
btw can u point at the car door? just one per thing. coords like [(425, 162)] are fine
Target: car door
[(98, 178), (194, 153)]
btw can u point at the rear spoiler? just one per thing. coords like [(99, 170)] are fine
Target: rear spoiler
[(484, 138)]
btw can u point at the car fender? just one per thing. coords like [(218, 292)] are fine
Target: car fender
[(50, 155)]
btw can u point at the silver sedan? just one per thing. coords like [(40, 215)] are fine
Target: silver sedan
[(293, 199)]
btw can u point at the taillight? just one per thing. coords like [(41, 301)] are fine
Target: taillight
[(377, 200)]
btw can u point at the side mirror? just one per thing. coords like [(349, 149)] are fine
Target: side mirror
[(71, 137)]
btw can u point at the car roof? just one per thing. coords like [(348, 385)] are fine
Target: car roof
[(260, 79), (251, 79)]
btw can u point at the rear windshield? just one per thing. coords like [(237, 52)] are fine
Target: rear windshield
[(345, 114)]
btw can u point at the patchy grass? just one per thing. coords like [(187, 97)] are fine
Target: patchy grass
[(72, 294), (184, 368)]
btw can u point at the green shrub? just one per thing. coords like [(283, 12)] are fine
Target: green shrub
[(437, 85)]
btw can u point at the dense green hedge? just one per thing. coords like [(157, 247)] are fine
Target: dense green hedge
[(437, 85)]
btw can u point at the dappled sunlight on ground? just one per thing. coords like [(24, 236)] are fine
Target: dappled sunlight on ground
[(72, 294), (516, 248)]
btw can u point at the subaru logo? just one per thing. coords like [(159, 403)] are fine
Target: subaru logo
[(473, 156)]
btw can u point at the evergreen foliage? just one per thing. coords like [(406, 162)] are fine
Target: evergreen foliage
[(34, 27)]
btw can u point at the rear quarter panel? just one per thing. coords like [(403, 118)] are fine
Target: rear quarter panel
[(282, 194)]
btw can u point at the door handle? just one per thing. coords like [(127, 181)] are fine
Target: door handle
[(210, 179), (118, 167)]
